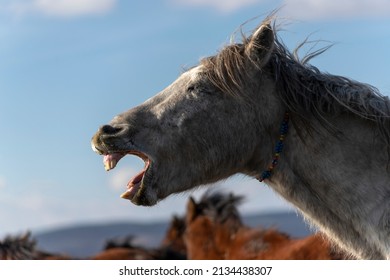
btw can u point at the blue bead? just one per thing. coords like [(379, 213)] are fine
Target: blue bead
[(278, 148)]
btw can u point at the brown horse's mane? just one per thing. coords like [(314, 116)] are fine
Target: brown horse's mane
[(220, 207), (305, 91)]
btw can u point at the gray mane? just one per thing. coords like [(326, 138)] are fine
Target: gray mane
[(305, 91), (308, 92)]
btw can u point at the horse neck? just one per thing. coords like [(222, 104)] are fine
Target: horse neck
[(200, 240), (340, 183)]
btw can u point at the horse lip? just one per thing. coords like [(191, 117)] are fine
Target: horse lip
[(102, 149), (96, 149)]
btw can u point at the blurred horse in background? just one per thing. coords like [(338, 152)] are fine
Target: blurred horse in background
[(172, 247), (174, 236), (23, 247), (214, 230), (211, 229)]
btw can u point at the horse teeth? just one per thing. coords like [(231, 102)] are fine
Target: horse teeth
[(126, 195), (110, 164), (107, 166)]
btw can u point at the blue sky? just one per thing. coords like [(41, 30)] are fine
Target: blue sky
[(69, 66)]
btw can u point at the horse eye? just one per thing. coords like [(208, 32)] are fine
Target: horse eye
[(191, 88)]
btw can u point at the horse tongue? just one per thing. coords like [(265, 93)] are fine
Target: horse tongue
[(133, 185)]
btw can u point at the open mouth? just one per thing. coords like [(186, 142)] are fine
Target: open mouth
[(136, 182)]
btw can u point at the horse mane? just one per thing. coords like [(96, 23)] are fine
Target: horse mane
[(220, 207), (304, 89), (20, 247)]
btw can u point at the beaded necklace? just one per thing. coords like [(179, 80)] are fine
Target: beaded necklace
[(278, 149)]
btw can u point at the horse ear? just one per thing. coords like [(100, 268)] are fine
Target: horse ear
[(191, 210), (260, 45)]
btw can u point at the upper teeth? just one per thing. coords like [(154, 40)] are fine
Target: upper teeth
[(109, 164)]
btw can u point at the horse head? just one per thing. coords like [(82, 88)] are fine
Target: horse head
[(206, 126)]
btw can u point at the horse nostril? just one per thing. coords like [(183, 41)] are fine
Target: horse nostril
[(108, 129)]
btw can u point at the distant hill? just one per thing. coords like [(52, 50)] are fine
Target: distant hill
[(85, 240)]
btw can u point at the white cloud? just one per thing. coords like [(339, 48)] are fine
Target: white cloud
[(58, 8), (223, 6), (119, 177), (73, 7), (341, 9)]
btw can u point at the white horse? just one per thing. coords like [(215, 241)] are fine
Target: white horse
[(321, 141)]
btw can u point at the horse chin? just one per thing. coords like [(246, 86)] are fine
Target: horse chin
[(145, 197)]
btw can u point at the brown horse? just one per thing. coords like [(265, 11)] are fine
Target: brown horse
[(172, 247), (23, 247), (123, 249), (174, 236), (215, 231), (120, 253), (125, 254)]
